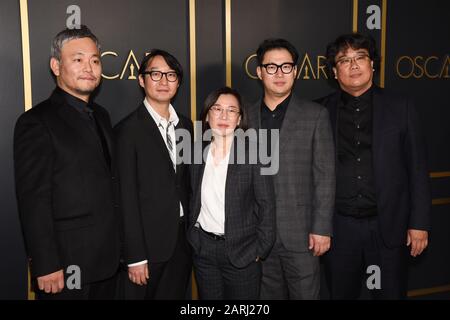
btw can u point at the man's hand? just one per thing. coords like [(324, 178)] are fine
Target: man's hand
[(52, 283), (418, 239), (139, 274), (319, 244)]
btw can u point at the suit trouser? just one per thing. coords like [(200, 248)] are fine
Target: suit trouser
[(100, 290), (217, 278), (290, 275), (356, 245), (168, 280)]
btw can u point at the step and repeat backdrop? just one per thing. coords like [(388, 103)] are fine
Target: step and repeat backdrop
[(215, 41)]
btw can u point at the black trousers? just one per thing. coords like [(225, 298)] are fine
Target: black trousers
[(356, 245), (217, 278), (168, 280), (101, 290)]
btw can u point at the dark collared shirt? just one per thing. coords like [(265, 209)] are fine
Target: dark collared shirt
[(273, 119), (355, 186)]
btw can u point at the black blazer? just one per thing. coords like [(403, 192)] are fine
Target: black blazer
[(65, 190), (151, 191), (249, 210), (399, 162)]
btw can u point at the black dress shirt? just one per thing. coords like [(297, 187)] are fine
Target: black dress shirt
[(355, 185), (273, 119)]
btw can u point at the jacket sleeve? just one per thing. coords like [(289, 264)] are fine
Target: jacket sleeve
[(419, 182), (134, 240), (324, 179), (34, 165)]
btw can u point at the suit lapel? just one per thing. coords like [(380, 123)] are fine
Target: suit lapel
[(105, 128), (290, 118)]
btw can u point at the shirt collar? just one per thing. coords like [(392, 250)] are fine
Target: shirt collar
[(365, 97), (279, 109), (173, 117), (78, 104)]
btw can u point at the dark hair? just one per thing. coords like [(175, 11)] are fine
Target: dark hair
[(171, 61), (70, 34), (270, 44), (355, 41), (212, 98)]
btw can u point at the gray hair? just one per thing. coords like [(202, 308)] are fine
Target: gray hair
[(70, 34)]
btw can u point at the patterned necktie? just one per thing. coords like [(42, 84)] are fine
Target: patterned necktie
[(169, 142), (168, 138)]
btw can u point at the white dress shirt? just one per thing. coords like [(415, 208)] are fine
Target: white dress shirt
[(212, 211)]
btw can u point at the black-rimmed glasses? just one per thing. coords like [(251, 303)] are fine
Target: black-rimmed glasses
[(272, 68), (171, 76)]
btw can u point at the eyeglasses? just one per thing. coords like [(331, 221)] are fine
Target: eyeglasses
[(347, 61), (272, 68), (171, 76), (231, 112)]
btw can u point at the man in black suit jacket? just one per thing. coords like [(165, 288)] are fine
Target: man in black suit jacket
[(154, 187), (64, 179), (382, 194)]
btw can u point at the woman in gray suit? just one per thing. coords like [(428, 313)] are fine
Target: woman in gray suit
[(232, 216)]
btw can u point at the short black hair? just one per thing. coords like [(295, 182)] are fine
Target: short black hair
[(70, 34), (171, 61), (355, 41), (270, 44), (212, 98)]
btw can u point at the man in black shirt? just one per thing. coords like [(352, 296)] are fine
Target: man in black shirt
[(65, 182), (305, 181), (382, 188)]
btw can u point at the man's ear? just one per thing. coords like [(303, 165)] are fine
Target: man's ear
[(258, 72), (295, 72), (335, 72), (55, 65), (141, 80)]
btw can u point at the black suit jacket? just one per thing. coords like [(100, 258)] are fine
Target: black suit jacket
[(399, 163), (249, 210), (151, 191), (65, 190)]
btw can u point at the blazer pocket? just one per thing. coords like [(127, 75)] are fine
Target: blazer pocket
[(76, 222)]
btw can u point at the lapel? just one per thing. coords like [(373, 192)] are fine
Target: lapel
[(107, 132), (333, 106), (73, 119), (152, 130), (292, 116), (230, 185), (255, 114)]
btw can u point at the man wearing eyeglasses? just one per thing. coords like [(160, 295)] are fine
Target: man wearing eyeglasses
[(305, 182), (382, 190), (154, 188)]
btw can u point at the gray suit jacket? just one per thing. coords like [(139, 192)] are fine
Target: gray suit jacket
[(249, 211), (305, 182)]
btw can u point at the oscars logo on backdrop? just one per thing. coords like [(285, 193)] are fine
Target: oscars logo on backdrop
[(130, 67), (418, 67)]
